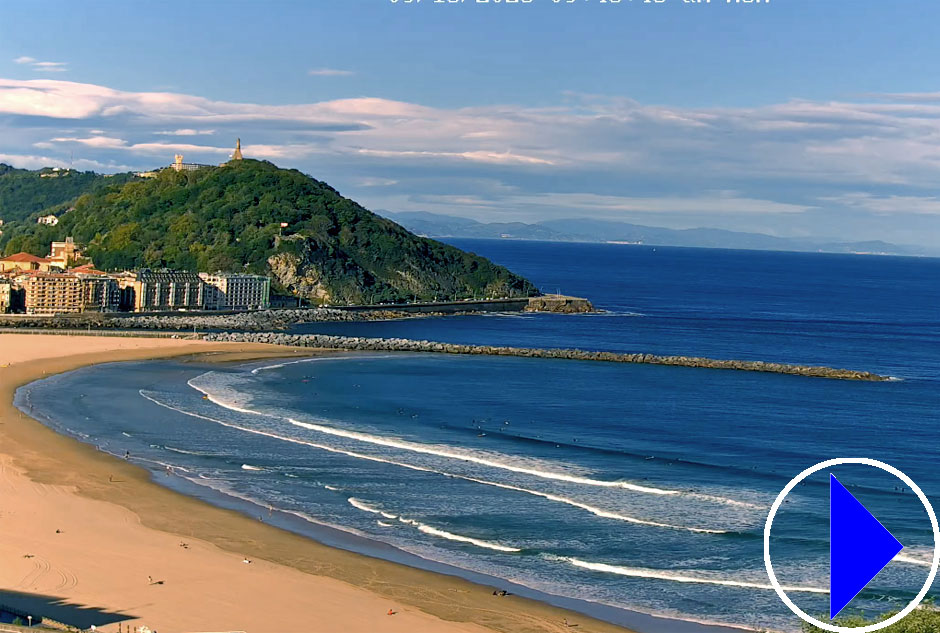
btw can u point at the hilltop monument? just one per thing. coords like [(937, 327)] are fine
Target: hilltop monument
[(238, 150)]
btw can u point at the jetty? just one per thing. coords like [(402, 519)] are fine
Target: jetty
[(323, 341)]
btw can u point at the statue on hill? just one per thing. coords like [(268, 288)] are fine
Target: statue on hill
[(238, 150)]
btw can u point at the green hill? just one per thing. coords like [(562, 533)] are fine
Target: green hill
[(24, 193), (229, 218)]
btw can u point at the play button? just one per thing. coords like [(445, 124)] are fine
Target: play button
[(859, 547)]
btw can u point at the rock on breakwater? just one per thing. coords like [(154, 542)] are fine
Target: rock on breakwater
[(409, 345)]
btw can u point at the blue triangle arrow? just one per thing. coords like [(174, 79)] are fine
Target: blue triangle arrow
[(859, 547)]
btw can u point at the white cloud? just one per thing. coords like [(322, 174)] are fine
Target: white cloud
[(532, 207), (376, 182), (590, 155), (40, 66), (329, 72), (888, 205), (496, 158), (104, 142), (32, 161), (185, 132)]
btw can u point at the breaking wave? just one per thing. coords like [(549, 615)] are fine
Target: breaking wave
[(638, 572), (183, 451), (461, 456), (361, 505), (551, 497), (915, 560), (433, 531)]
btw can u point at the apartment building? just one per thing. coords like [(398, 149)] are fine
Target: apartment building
[(156, 290), (225, 291), (67, 293), (6, 296)]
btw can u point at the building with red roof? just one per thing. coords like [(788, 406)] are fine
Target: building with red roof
[(25, 262)]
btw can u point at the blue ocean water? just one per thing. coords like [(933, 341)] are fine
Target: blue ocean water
[(638, 487)]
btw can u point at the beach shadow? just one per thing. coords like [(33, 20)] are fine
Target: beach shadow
[(15, 604)]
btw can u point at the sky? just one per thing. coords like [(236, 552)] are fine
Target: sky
[(798, 118)]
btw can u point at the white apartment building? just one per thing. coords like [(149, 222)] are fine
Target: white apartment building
[(232, 291)]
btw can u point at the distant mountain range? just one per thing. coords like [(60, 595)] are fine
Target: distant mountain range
[(588, 230)]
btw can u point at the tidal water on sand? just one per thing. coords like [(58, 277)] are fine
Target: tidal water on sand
[(639, 487)]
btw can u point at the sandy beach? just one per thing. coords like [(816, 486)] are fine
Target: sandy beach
[(85, 529)]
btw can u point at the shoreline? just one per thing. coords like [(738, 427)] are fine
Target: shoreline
[(458, 603)]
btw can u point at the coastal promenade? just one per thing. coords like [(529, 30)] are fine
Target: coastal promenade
[(280, 318)]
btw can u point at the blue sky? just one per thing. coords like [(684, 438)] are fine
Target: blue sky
[(798, 117)]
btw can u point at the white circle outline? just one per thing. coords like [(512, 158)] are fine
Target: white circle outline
[(870, 628)]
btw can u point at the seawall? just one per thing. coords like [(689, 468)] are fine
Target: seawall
[(408, 345), (278, 319)]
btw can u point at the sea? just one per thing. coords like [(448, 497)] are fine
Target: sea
[(619, 490)]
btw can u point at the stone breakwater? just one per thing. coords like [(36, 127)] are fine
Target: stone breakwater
[(261, 321), (408, 345)]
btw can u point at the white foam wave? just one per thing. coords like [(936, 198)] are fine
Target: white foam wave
[(474, 459), (607, 514), (914, 560), (450, 536), (384, 524), (183, 451), (361, 505), (725, 500), (463, 456), (596, 511), (212, 484), (467, 457), (250, 467), (283, 438), (163, 465), (334, 489), (613, 313), (437, 452), (258, 370), (427, 529), (637, 572)]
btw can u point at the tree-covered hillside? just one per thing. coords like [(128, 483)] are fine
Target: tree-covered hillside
[(24, 193), (926, 619), (229, 218)]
